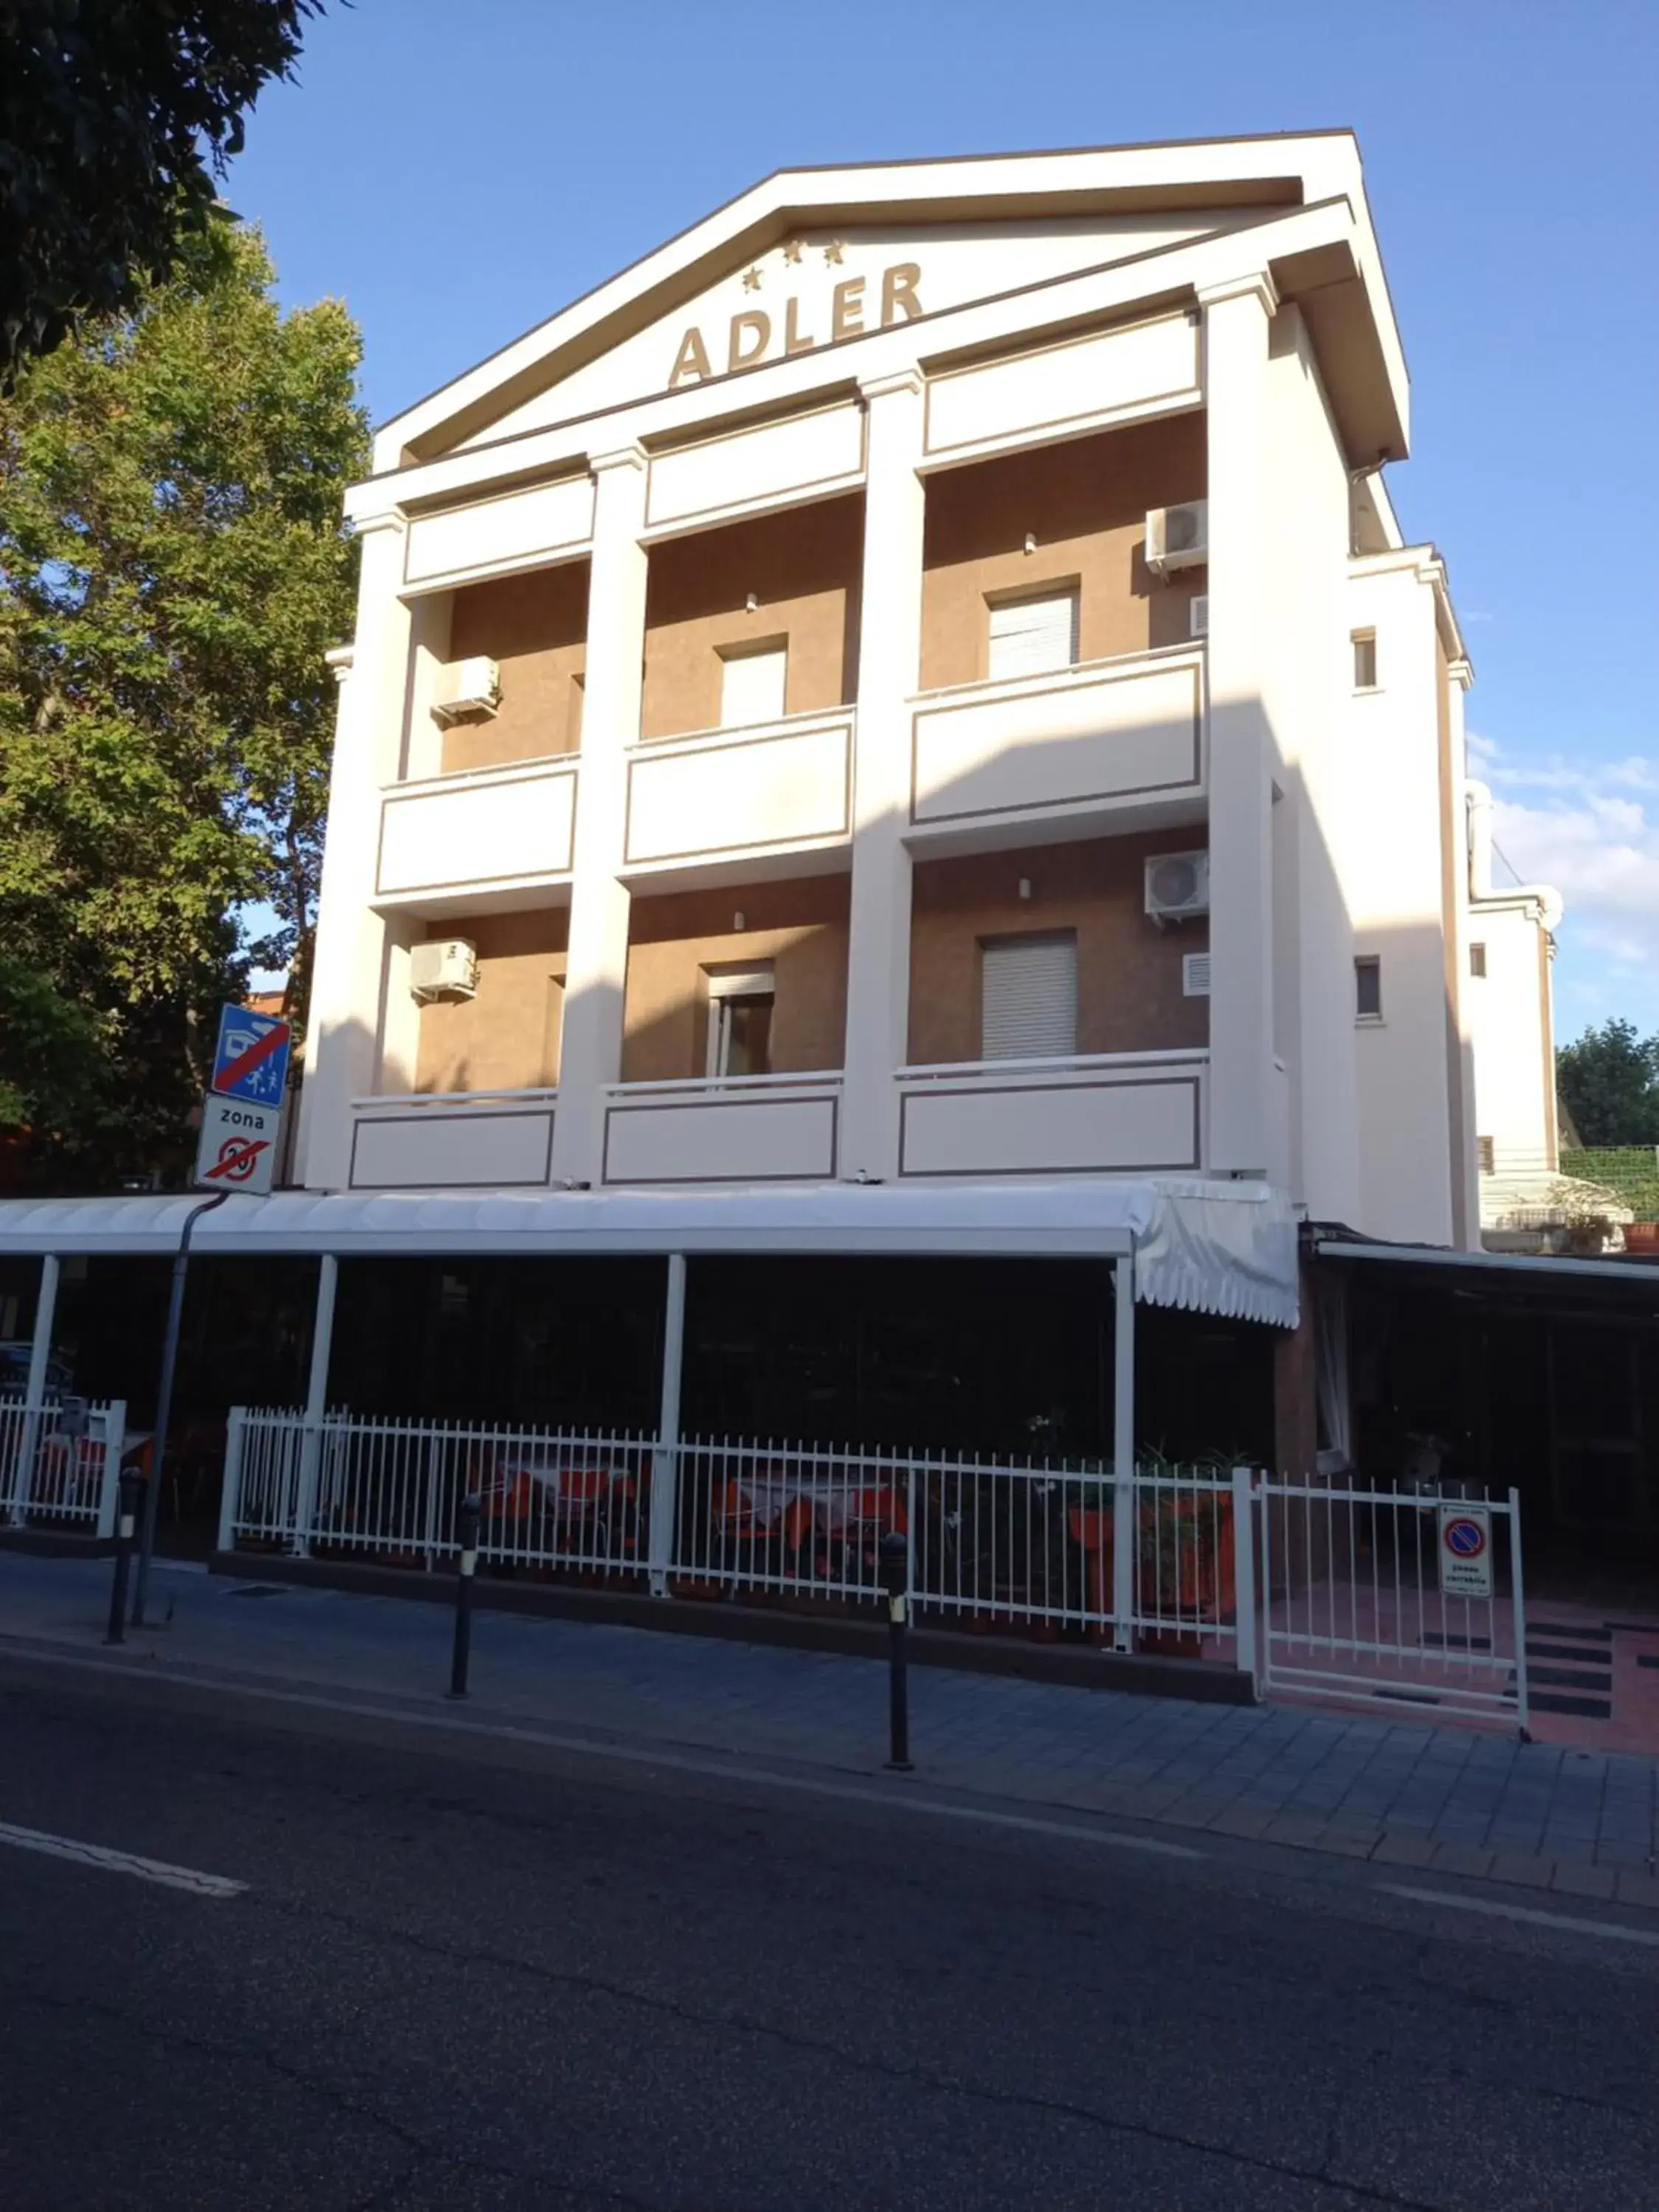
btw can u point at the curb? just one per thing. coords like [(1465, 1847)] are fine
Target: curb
[(1071, 1666)]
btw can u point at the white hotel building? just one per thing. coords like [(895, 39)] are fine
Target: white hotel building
[(920, 681), (905, 724)]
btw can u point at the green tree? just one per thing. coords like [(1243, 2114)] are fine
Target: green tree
[(1608, 1081), (115, 117), (172, 568)]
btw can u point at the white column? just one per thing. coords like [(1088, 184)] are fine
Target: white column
[(590, 1052), (230, 1489), (45, 1309), (1123, 1452), (310, 1448), (1247, 1106), (348, 980), (664, 1462), (1466, 1167), (890, 663), (1245, 1575)]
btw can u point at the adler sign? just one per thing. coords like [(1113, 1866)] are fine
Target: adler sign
[(799, 321)]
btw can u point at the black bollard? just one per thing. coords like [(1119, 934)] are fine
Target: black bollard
[(894, 1557), (130, 1485), (468, 1568)]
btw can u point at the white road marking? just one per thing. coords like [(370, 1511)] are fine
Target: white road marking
[(99, 1855), (891, 1802), (1612, 1929)]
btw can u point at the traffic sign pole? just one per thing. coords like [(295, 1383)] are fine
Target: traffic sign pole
[(164, 1403)]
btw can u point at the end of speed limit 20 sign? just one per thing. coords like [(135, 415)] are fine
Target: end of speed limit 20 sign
[(237, 1150)]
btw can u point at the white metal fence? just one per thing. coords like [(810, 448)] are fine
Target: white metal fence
[(990, 1543), (55, 1470), (1341, 1593), (549, 1498), (1366, 1601)]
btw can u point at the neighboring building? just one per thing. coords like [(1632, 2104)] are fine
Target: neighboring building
[(769, 669)]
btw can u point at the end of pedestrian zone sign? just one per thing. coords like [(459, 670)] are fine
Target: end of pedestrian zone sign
[(250, 1060)]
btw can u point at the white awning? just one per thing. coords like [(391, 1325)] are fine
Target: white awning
[(1223, 1248)]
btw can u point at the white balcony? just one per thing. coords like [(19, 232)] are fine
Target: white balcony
[(733, 794), (1133, 1113), (1111, 737), (452, 1140), (755, 1128), (447, 840)]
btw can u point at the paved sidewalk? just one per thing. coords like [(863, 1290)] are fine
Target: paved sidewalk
[(1585, 1823)]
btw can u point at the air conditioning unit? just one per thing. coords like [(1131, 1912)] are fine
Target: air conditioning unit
[(446, 968), (1177, 537), (1198, 615), (1195, 974), (466, 687), (1177, 885)]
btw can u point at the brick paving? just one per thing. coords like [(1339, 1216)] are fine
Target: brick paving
[(1583, 1822)]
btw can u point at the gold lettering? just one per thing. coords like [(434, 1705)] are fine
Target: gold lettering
[(794, 340), (757, 327), (846, 309), (691, 360), (898, 292)]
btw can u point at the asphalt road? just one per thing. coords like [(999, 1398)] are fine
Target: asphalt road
[(460, 1978)]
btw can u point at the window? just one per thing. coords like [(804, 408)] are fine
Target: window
[(741, 1023), (1365, 660), (1029, 637), (753, 685), (1486, 1153), (1477, 959), (1028, 997), (1368, 988)]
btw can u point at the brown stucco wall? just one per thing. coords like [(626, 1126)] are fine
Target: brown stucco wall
[(535, 627), (800, 925), (507, 1038), (1129, 996), (802, 566), (1085, 502)]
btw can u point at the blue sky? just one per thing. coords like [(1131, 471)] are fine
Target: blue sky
[(455, 173)]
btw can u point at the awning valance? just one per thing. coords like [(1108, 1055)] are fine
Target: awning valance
[(1224, 1248)]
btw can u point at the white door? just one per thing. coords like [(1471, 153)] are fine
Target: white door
[(1028, 1007), (1030, 637)]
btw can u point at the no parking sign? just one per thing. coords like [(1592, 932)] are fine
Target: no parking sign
[(1465, 1551)]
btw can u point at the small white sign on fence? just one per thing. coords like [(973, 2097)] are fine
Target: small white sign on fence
[(1465, 1551)]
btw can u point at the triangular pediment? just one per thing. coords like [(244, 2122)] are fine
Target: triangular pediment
[(811, 257), (818, 287)]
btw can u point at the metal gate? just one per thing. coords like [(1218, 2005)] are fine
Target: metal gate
[(1394, 1597)]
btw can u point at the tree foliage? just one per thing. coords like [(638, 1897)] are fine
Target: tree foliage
[(115, 117), (172, 569), (1608, 1081)]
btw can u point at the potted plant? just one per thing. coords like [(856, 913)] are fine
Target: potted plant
[(1184, 1551)]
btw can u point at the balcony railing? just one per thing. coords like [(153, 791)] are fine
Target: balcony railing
[(751, 1128), (1107, 737), (481, 832), (723, 794), (452, 1139), (1092, 1114)]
